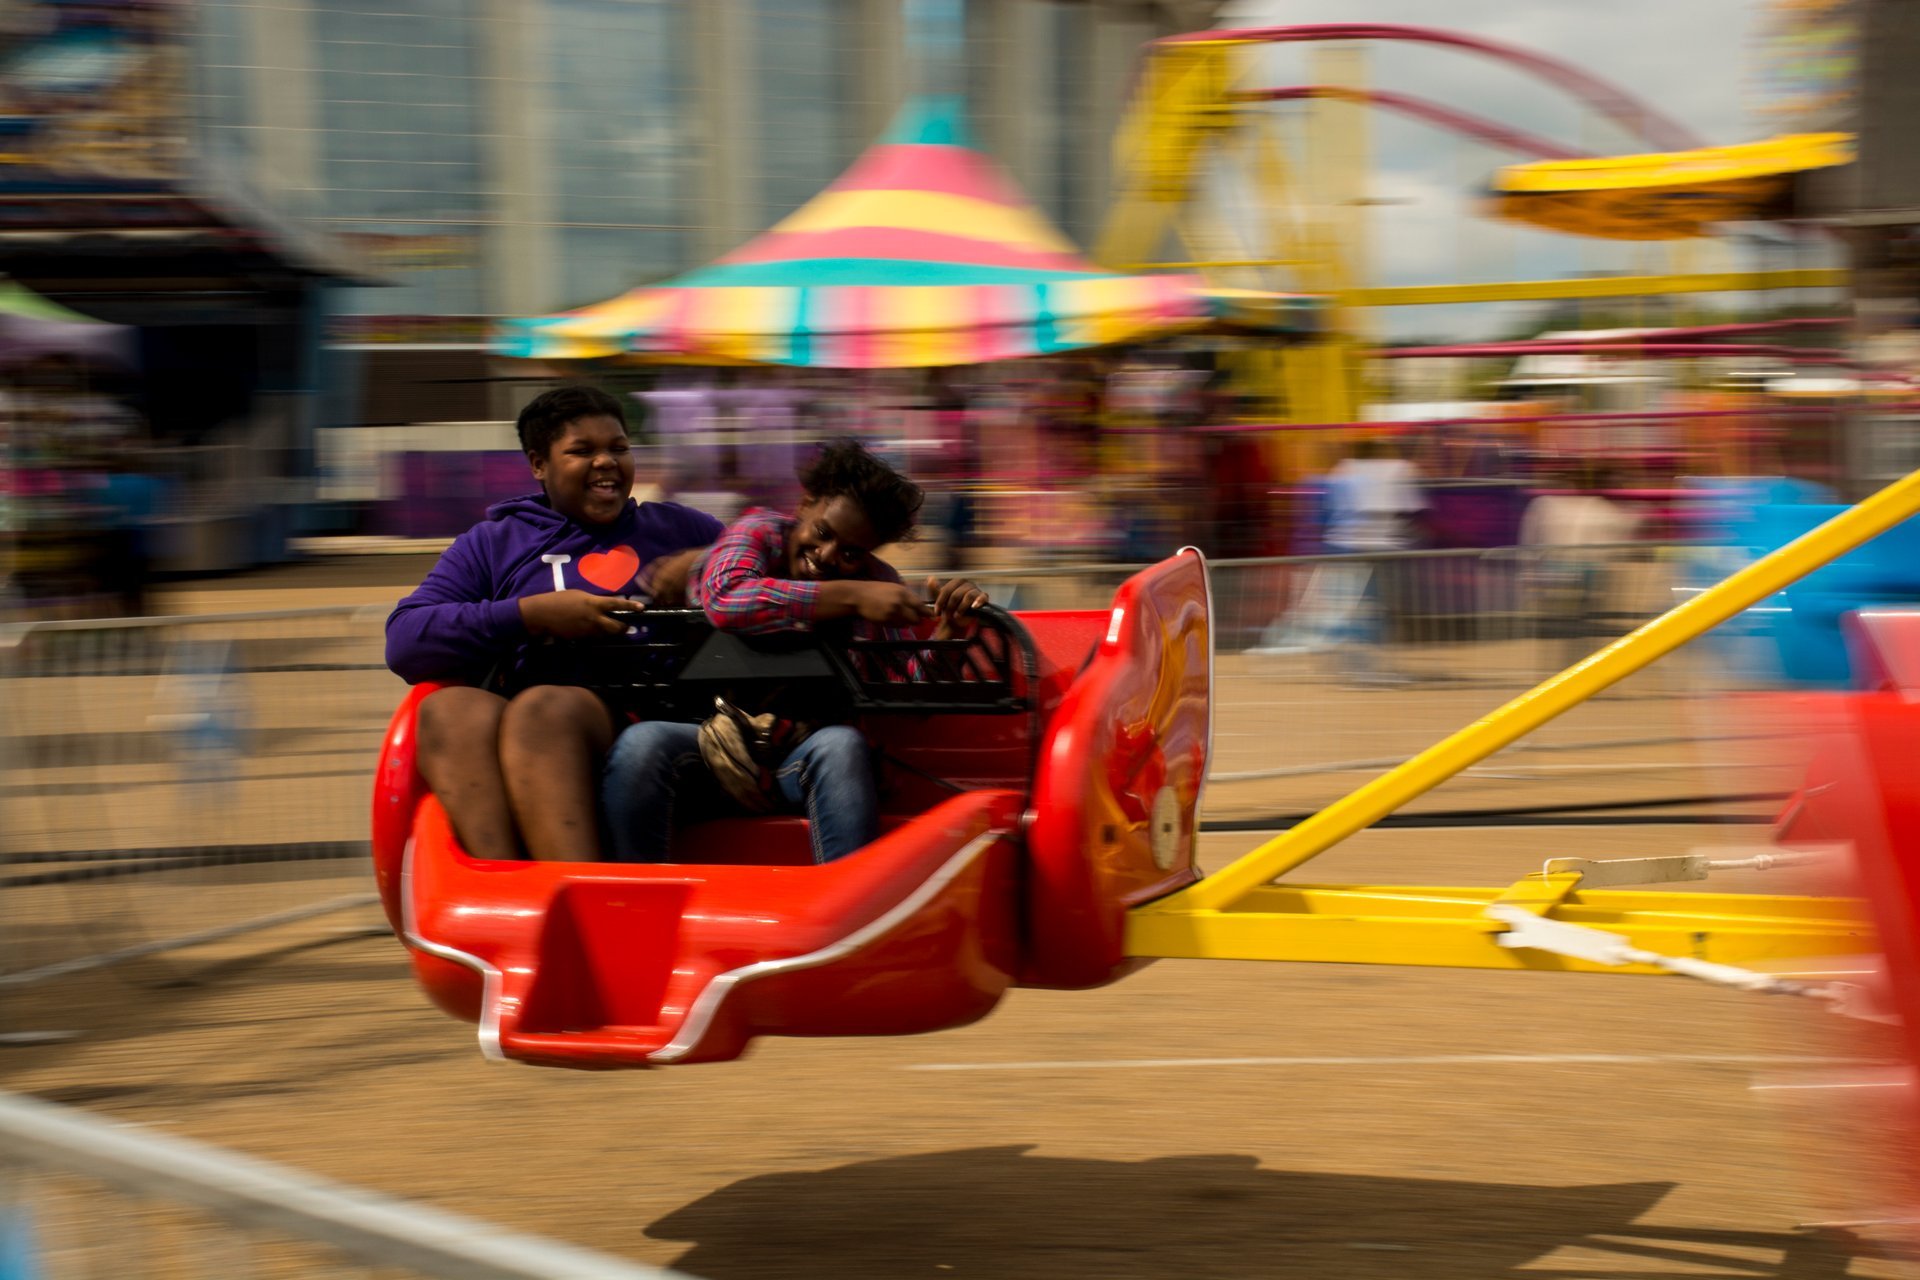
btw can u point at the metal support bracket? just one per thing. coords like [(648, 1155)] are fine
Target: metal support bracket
[(1601, 873)]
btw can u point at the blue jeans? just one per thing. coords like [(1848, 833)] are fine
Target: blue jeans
[(654, 775)]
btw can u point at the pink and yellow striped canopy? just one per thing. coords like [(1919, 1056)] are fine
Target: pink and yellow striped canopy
[(922, 253)]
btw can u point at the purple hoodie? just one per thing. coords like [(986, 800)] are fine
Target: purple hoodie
[(464, 618)]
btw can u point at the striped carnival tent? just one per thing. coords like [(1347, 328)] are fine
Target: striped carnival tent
[(923, 253)]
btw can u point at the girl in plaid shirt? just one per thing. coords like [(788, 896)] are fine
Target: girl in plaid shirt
[(770, 572)]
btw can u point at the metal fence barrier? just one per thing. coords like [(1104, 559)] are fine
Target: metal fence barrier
[(172, 781), (83, 1198), (1341, 666), (1426, 597), (1335, 666)]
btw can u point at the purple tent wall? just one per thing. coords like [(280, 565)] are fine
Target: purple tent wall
[(444, 494)]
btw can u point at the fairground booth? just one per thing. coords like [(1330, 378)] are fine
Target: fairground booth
[(107, 213)]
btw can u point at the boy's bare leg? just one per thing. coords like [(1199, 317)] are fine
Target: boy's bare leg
[(459, 756), (552, 740)]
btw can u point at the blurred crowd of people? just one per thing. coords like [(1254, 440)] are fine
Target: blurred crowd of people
[(81, 494), (1125, 457), (1062, 459), (1115, 456)]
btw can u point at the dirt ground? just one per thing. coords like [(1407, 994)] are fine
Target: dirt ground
[(1195, 1120)]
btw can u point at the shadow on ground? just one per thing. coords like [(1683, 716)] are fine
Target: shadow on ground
[(1003, 1213)]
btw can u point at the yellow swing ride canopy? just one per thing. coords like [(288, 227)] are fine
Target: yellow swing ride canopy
[(1667, 195)]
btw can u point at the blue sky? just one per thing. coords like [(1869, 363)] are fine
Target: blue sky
[(1690, 59)]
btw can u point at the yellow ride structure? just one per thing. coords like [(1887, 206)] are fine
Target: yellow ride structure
[(1665, 196), (1201, 105), (1568, 916)]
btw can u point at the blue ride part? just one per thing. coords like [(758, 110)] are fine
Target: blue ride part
[(19, 1246), (1800, 626)]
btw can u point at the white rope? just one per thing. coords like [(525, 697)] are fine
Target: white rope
[(1525, 930), (1764, 861), (61, 968)]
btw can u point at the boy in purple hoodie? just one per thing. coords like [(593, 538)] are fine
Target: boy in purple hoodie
[(515, 768)]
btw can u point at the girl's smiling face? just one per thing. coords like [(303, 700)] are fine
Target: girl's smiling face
[(588, 471), (831, 538)]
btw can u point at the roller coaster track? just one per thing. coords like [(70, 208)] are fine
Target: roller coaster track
[(1629, 112), (1433, 113)]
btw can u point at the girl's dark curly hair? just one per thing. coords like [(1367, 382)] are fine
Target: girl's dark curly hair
[(844, 469)]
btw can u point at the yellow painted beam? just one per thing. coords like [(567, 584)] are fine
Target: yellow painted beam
[(1599, 287), (1523, 715), (1176, 118), (1419, 295), (1540, 893), (1444, 927), (1208, 264)]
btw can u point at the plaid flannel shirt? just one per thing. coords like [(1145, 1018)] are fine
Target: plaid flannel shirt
[(736, 586)]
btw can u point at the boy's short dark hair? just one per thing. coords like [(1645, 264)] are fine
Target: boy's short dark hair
[(546, 416), (843, 469)]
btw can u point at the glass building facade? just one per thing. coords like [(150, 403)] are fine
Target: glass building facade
[(804, 73), (400, 167), (219, 85), (618, 95), (500, 157)]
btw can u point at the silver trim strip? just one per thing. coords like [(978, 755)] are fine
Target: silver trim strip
[(490, 976), (235, 1194), (61, 968), (707, 1004)]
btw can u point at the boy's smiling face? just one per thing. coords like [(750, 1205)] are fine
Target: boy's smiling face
[(588, 471), (831, 538)]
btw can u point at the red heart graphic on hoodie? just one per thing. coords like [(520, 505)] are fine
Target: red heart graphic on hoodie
[(612, 569)]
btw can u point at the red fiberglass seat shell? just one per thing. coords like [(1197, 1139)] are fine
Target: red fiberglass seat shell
[(1023, 877), (1862, 790), (607, 965)]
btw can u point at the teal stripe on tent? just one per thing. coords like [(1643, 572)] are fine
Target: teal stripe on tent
[(938, 119), (522, 339), (514, 338), (800, 349), (1046, 335)]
